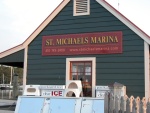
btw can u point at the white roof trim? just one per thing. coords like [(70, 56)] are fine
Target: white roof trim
[(46, 22), (11, 51), (123, 19)]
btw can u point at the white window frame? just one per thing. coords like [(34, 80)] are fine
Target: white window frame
[(93, 59), (79, 14)]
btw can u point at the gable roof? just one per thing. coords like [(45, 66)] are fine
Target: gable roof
[(105, 4)]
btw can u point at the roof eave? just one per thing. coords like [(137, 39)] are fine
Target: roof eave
[(11, 51)]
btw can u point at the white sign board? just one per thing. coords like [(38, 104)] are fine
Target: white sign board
[(100, 94), (101, 90), (52, 87)]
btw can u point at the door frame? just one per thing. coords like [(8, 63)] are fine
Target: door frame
[(93, 59)]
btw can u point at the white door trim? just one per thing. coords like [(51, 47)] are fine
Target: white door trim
[(93, 59)]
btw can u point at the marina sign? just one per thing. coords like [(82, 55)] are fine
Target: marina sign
[(87, 43)]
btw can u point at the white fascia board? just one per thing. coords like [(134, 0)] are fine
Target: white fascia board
[(123, 19), (11, 51), (46, 22)]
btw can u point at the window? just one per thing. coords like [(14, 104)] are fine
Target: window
[(82, 69), (81, 7)]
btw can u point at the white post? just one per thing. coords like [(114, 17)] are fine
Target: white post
[(3, 79), (15, 86), (12, 71)]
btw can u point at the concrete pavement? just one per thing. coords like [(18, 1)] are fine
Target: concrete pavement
[(6, 111), (4, 102)]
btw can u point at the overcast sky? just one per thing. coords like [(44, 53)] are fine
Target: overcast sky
[(19, 18)]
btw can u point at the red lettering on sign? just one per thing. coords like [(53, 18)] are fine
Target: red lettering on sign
[(60, 93), (56, 93)]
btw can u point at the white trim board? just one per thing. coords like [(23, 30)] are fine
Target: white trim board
[(11, 51), (25, 67), (147, 73)]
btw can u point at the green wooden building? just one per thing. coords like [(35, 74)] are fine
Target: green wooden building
[(85, 40)]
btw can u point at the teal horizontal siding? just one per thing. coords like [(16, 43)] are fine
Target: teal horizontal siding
[(89, 29), (138, 91), (89, 24), (45, 71), (83, 20), (46, 81), (129, 82), (123, 76), (126, 68)]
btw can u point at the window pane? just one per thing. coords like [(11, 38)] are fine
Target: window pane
[(88, 78), (81, 68), (88, 69), (74, 77), (81, 77), (74, 68)]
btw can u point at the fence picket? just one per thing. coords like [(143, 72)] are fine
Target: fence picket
[(115, 104), (144, 104), (122, 104), (134, 106), (148, 107), (137, 104), (111, 103), (131, 103), (128, 106), (106, 102), (141, 107)]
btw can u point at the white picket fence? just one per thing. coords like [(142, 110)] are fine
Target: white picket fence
[(115, 104)]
